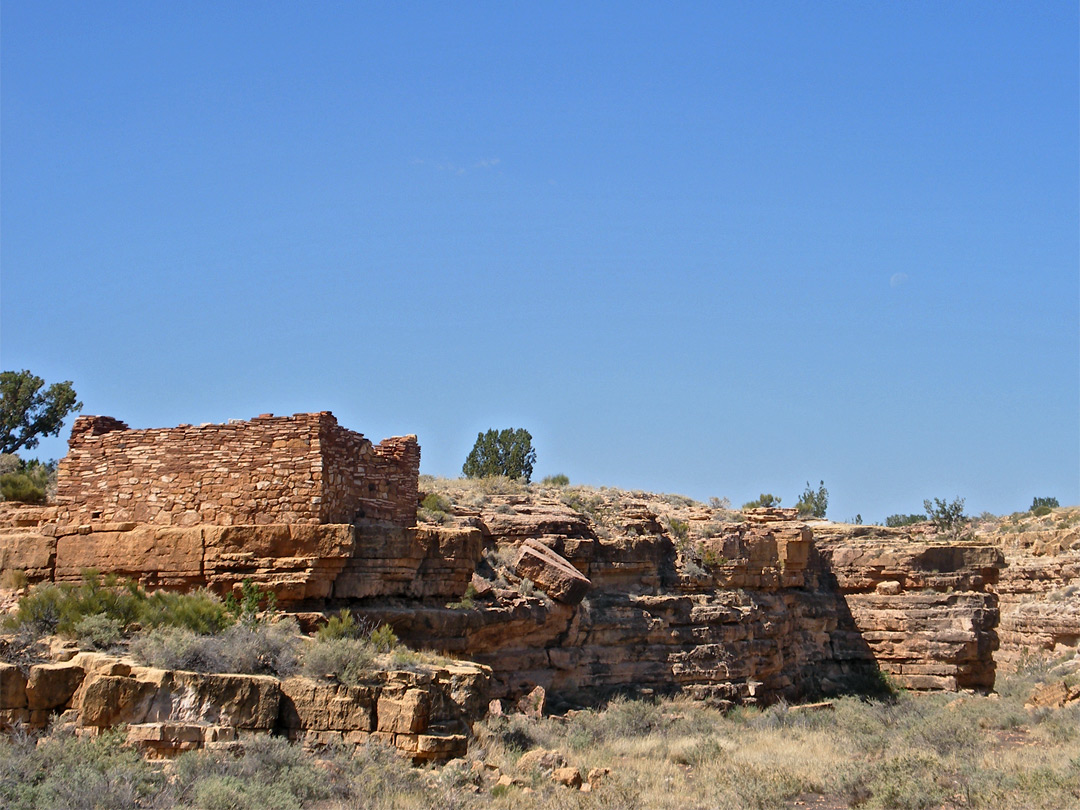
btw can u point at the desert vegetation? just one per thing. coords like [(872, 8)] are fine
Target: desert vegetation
[(199, 632), (904, 751)]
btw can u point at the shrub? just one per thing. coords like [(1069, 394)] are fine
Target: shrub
[(506, 452), (1049, 503), (23, 487), (50, 608), (434, 507), (764, 499), (679, 529), (246, 609), (558, 480), (266, 648), (344, 659), (896, 521), (383, 638), (98, 632), (76, 773), (341, 626), (814, 502), (199, 611), (14, 579), (467, 601), (947, 517)]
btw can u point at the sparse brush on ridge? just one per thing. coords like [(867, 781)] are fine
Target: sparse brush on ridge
[(764, 499)]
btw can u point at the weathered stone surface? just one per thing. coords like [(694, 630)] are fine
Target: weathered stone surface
[(12, 687), (50, 686), (1053, 696), (403, 710), (31, 552), (247, 702), (326, 706), (551, 573), (159, 554)]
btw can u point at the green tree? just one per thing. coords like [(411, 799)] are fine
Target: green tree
[(27, 412), (1044, 503), (506, 452), (814, 502), (947, 517)]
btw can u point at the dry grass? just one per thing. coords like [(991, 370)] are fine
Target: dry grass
[(916, 751)]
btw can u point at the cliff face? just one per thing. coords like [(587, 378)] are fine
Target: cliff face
[(1040, 586), (590, 592)]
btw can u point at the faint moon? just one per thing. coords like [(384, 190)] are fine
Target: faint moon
[(898, 279)]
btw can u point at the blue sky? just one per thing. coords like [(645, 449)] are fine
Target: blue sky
[(708, 248)]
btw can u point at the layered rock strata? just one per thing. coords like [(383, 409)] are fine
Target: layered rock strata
[(1040, 592), (426, 714), (297, 561)]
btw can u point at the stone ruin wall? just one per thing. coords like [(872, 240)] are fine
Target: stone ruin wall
[(301, 469)]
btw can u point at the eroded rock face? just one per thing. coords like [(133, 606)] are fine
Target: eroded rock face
[(297, 562), (1040, 600), (729, 607), (426, 714), (925, 612)]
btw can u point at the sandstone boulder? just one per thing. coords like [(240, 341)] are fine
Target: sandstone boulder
[(551, 573), (51, 686), (567, 777)]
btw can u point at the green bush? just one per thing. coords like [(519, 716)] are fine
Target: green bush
[(558, 480), (764, 499), (252, 601), (344, 625), (266, 648), (50, 608), (345, 659), (896, 521), (467, 601), (20, 486), (98, 632), (1041, 511), (383, 638)]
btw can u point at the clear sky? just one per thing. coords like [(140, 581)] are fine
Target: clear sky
[(715, 248)]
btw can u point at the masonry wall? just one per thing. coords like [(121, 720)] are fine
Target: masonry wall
[(269, 470), (366, 481)]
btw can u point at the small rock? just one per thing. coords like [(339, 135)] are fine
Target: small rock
[(540, 759), (597, 776), (533, 704), (568, 777)]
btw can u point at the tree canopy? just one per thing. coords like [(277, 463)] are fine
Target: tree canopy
[(27, 412), (506, 452)]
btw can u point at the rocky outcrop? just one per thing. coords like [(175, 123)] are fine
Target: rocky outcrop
[(297, 562), (1040, 591), (426, 714), (926, 612)]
